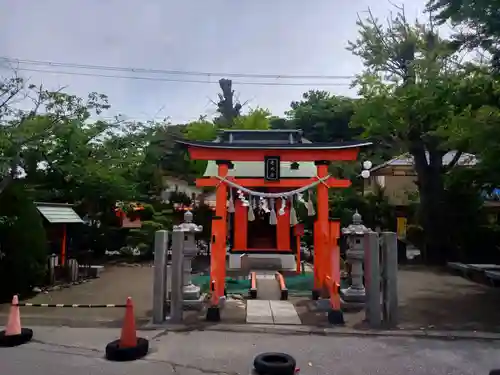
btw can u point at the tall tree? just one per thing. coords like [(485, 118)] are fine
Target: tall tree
[(323, 117), (479, 22), (227, 107), (413, 88), (22, 128)]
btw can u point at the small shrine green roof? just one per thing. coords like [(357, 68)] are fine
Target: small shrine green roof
[(58, 213)]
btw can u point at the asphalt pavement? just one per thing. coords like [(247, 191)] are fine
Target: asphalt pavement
[(79, 351)]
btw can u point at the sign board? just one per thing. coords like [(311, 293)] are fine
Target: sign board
[(298, 229), (272, 168), (402, 224)]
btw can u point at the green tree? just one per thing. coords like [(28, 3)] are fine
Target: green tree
[(21, 129), (478, 21), (323, 117), (86, 163), (203, 130), (23, 243), (172, 158), (413, 88), (256, 119)]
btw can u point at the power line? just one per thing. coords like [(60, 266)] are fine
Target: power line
[(167, 72), (160, 79)]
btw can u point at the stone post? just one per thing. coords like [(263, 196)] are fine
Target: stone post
[(373, 309), (176, 298), (355, 255), (190, 229), (390, 278), (159, 281)]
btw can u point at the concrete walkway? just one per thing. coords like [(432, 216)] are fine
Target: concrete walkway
[(114, 285), (271, 312)]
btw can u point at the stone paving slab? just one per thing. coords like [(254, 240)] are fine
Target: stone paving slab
[(284, 313), (259, 311), (271, 312)]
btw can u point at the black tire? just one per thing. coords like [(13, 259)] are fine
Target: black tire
[(117, 354), (15, 340), (274, 364)]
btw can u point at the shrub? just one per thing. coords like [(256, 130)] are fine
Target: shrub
[(23, 243)]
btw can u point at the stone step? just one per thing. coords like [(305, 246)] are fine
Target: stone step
[(284, 312), (259, 312)]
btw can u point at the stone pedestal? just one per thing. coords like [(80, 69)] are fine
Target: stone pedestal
[(356, 292), (355, 233), (190, 291), (192, 299)]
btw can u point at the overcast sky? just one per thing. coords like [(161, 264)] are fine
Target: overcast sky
[(278, 37)]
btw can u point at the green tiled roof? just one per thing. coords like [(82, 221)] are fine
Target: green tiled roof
[(58, 213)]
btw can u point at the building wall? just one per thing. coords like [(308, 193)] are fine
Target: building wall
[(396, 188), (173, 184)]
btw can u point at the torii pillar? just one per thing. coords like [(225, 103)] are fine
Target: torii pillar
[(322, 266), (219, 233)]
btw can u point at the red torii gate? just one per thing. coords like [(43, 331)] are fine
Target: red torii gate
[(265, 147)]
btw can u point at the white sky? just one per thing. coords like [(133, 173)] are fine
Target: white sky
[(293, 37)]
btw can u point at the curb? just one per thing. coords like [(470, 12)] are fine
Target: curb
[(341, 331), (46, 321), (144, 324)]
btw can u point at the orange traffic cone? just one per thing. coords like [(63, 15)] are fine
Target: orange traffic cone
[(128, 347), (13, 326), (14, 335), (128, 338)]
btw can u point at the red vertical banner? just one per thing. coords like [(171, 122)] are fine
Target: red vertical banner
[(240, 224), (63, 245), (283, 227)]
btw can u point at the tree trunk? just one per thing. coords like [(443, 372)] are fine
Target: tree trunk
[(433, 217), (4, 183)]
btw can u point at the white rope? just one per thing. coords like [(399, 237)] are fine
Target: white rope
[(275, 195)]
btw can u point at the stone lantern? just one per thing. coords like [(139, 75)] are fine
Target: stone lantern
[(355, 254), (190, 229)]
